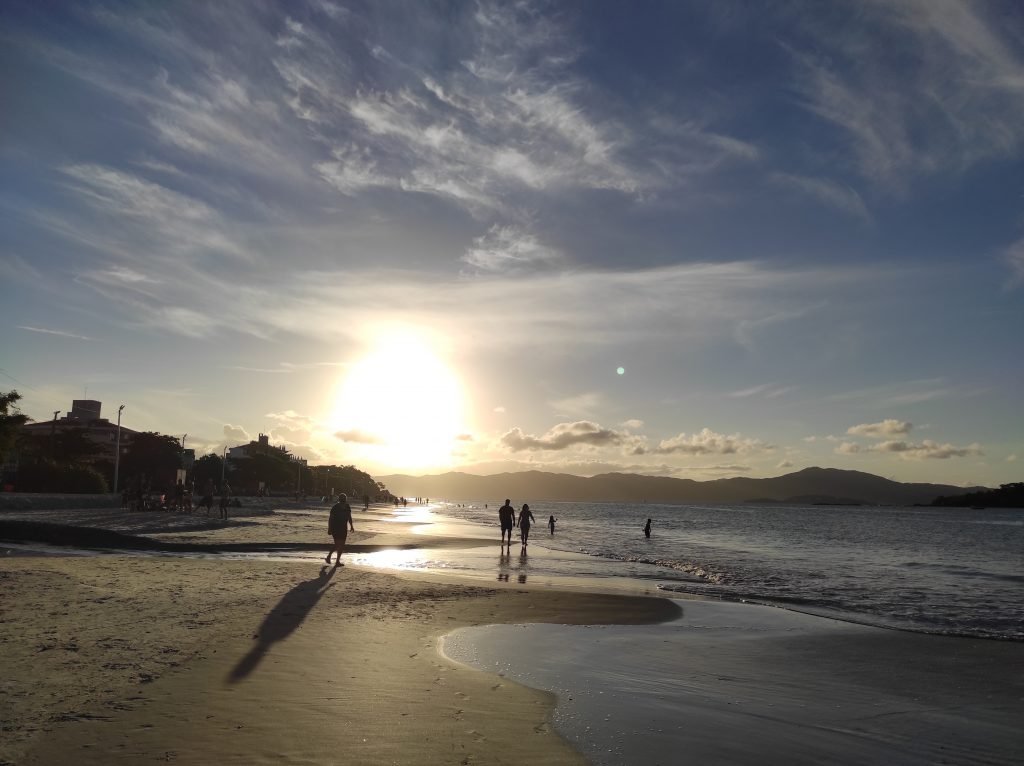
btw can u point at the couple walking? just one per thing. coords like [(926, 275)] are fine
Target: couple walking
[(507, 518)]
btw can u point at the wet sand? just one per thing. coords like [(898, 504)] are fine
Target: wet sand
[(132, 659)]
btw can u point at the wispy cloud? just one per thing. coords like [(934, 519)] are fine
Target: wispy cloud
[(60, 333), (826, 192), (961, 102), (509, 248), (581, 406)]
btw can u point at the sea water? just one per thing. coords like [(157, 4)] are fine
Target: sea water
[(934, 570)]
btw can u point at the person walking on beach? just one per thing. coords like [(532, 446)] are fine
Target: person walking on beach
[(225, 498), (507, 519), (647, 528), (338, 525), (525, 520), (551, 524)]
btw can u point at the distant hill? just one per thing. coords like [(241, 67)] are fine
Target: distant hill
[(534, 486), (1007, 496)]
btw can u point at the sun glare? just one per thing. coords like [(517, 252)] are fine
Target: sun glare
[(400, 405)]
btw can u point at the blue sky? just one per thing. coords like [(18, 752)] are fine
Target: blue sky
[(424, 236)]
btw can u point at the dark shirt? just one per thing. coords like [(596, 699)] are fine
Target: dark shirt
[(341, 518), (507, 515)]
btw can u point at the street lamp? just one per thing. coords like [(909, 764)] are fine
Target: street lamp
[(117, 448)]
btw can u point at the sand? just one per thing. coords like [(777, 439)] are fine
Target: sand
[(135, 659)]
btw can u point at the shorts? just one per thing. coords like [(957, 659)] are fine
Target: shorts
[(507, 526), (340, 537)]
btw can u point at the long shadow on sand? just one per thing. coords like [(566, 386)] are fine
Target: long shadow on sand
[(282, 620)]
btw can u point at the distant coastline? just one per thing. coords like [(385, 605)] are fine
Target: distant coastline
[(831, 486)]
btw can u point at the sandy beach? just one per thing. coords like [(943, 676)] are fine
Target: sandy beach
[(127, 658)]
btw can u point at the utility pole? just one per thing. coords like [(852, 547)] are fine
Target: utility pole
[(117, 448), (53, 432), (223, 466)]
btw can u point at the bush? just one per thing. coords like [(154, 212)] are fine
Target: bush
[(51, 477)]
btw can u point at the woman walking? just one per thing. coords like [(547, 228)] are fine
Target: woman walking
[(525, 520)]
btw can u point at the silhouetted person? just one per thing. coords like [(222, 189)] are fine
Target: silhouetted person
[(124, 499), (225, 499), (507, 519), (366, 502), (338, 525), (647, 528), (179, 496), (525, 520), (207, 496), (551, 525)]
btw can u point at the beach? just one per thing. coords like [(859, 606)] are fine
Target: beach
[(271, 657)]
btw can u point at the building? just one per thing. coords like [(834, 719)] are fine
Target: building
[(84, 416), (261, 446)]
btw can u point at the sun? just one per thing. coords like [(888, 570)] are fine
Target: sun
[(400, 405)]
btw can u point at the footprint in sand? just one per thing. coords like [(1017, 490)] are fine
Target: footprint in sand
[(496, 687)]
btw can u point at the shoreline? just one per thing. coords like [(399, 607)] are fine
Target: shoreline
[(123, 658)]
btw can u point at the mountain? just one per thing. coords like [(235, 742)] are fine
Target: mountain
[(537, 486)]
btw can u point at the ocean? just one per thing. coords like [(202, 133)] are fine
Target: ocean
[(931, 570)]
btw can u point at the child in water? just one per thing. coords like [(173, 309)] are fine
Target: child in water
[(551, 524)]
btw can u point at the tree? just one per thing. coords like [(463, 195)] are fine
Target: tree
[(11, 421), (153, 456), (207, 468)]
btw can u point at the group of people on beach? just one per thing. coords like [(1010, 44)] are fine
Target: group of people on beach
[(507, 519)]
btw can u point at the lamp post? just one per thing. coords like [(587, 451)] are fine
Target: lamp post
[(117, 448)]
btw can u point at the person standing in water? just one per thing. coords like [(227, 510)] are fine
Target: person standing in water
[(551, 525), (525, 520), (647, 528), (507, 519), (338, 525)]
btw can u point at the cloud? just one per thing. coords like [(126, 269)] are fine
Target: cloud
[(784, 464), (236, 433), (769, 391), (958, 105), (1014, 256), (509, 248), (500, 409), (357, 436), (60, 333), (633, 424), (1012, 458), (927, 449), (291, 418), (727, 467), (562, 436), (464, 438), (580, 406), (269, 370), (705, 442), (826, 192), (810, 439), (888, 427)]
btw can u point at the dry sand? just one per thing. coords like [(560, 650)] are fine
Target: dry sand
[(129, 659)]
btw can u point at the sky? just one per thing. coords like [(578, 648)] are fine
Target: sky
[(676, 238)]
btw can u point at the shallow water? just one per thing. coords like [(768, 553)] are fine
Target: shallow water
[(934, 570), (743, 684)]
